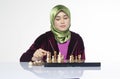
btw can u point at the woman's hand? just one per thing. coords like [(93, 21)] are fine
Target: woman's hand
[(39, 54)]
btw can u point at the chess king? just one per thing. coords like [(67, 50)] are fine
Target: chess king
[(59, 39)]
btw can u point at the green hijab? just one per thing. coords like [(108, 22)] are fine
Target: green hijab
[(60, 36)]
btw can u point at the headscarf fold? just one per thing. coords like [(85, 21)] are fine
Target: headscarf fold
[(60, 36)]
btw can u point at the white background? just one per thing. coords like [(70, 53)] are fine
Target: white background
[(97, 21)]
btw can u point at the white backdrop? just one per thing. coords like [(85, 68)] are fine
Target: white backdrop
[(97, 21)]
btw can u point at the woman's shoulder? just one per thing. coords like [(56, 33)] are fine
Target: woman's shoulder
[(74, 34), (42, 39), (76, 37), (44, 35)]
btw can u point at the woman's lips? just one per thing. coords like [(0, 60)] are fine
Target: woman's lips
[(63, 26)]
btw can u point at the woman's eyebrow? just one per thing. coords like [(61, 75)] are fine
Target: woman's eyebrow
[(57, 16), (60, 16), (65, 15)]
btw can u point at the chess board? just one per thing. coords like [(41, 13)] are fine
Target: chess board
[(86, 64), (58, 61)]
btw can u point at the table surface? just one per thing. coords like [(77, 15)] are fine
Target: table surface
[(24, 71)]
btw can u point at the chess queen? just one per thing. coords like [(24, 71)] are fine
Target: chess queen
[(59, 39)]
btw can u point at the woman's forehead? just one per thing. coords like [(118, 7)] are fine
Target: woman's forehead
[(61, 13)]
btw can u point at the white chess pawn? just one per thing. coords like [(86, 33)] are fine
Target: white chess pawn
[(76, 59), (48, 59), (53, 59), (30, 63), (59, 58), (79, 58), (55, 54), (71, 60), (62, 59)]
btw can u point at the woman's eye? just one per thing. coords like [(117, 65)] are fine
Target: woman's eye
[(57, 19), (66, 18)]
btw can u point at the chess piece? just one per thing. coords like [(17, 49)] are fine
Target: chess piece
[(59, 58), (38, 63), (62, 59), (48, 59), (55, 57), (35, 63), (30, 63), (76, 59), (71, 60), (79, 58)]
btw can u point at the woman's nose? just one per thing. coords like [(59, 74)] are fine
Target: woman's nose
[(62, 21)]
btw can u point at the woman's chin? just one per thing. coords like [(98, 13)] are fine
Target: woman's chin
[(62, 30)]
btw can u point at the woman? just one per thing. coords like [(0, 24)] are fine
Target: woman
[(59, 39)]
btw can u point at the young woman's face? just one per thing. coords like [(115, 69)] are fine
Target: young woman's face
[(62, 21)]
